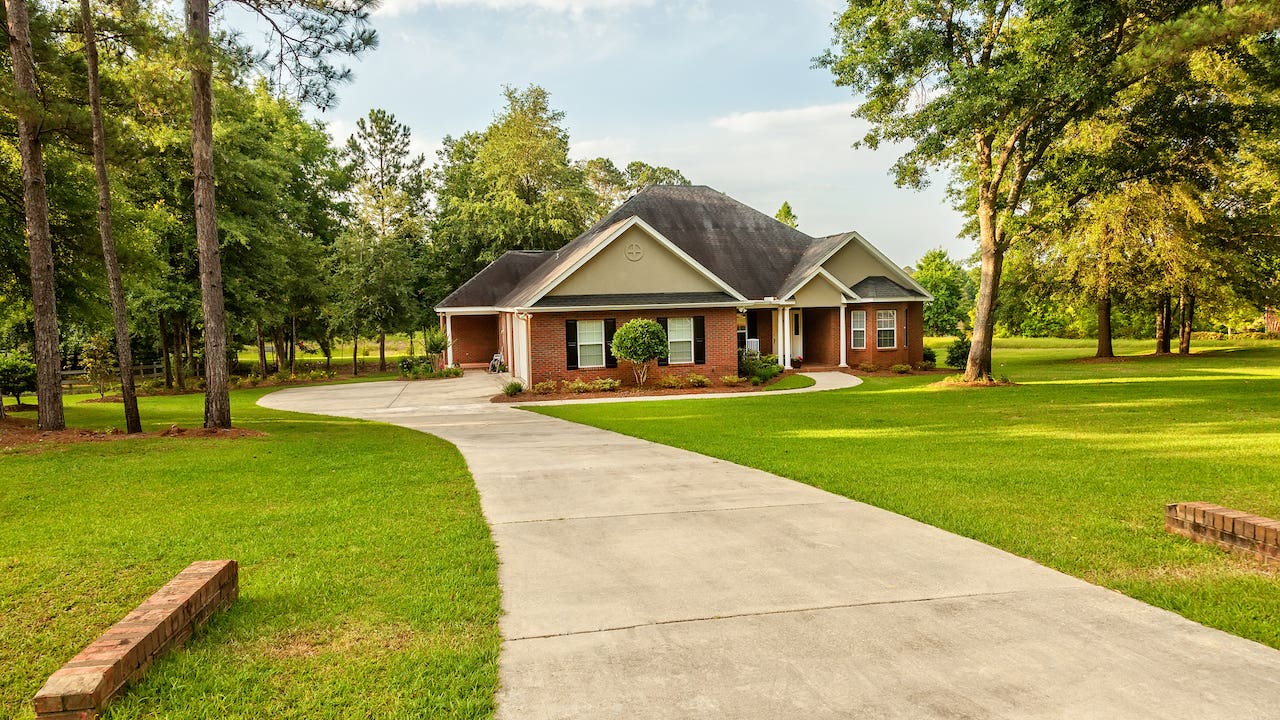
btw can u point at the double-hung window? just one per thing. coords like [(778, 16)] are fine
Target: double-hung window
[(590, 343), (680, 341), (886, 329), (858, 330)]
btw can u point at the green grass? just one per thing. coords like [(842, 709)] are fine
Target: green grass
[(368, 576), (1071, 468), (792, 382)]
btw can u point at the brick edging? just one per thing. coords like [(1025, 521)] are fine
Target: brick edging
[(123, 653), (1228, 529)]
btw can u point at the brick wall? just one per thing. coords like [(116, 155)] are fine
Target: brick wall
[(910, 334), (475, 338), (547, 340), (1228, 529), (164, 621), (821, 336)]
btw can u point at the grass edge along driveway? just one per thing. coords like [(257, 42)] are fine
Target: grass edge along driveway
[(1071, 468), (368, 576)]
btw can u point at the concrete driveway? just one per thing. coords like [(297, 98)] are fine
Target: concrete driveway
[(642, 581)]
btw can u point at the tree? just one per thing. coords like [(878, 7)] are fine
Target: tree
[(612, 186), (986, 89), (119, 313), (952, 291), (640, 342), (786, 215), (17, 376), (36, 207)]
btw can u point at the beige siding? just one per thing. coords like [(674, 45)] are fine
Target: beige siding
[(853, 264), (657, 270), (818, 292)]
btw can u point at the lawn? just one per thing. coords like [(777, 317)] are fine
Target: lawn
[(368, 577), (1072, 467)]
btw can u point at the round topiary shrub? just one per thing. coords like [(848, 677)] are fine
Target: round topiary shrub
[(640, 342)]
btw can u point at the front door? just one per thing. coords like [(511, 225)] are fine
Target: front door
[(797, 333)]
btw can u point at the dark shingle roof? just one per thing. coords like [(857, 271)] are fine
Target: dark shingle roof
[(879, 286), (640, 299), (495, 282)]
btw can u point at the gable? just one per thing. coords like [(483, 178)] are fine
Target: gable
[(635, 262), (853, 263), (818, 292)]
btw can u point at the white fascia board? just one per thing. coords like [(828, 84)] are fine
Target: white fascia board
[(650, 306), (634, 221), (470, 310), (845, 291), (867, 301)]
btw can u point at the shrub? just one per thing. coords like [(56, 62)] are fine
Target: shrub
[(732, 380), (546, 387), (513, 388), (671, 382), (901, 368), (156, 384), (606, 385), (640, 342), (577, 386), (767, 372), (99, 360), (868, 367), (928, 365), (930, 356), (958, 352), (696, 380)]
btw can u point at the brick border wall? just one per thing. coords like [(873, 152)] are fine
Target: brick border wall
[(123, 653), (1228, 529)]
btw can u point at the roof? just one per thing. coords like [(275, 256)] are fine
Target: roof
[(746, 250), (640, 299), (879, 286)]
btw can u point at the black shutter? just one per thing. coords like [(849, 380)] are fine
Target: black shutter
[(699, 340), (753, 324), (571, 344), (663, 323), (610, 327)]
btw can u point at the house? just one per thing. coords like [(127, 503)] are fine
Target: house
[(715, 273)]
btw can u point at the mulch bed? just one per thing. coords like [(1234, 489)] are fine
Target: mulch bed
[(20, 432)]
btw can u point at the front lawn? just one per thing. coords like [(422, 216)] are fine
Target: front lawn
[(1072, 467), (368, 577)]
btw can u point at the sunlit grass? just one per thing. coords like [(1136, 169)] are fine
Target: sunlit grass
[(1071, 467), (368, 577)]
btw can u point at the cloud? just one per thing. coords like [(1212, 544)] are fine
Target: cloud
[(757, 121), (576, 7)]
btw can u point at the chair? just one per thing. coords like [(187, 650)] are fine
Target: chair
[(496, 363)]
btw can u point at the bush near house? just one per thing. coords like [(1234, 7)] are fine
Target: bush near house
[(958, 352), (640, 342), (696, 380), (513, 388)]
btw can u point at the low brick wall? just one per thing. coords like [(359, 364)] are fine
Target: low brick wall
[(1228, 529), (164, 621)]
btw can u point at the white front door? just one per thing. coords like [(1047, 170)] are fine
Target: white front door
[(797, 333)]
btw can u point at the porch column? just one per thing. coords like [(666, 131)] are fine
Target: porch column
[(448, 331), (785, 357), (844, 337)]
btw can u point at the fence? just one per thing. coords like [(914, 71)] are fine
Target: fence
[(71, 378)]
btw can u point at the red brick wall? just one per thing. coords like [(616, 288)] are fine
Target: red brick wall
[(764, 328), (910, 350), (821, 336), (1228, 529), (548, 345), (475, 338)]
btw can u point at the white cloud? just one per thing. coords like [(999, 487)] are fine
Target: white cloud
[(397, 7), (757, 121)]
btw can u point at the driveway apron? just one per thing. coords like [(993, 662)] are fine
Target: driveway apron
[(643, 581)]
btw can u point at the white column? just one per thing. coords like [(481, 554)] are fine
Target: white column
[(785, 357), (844, 337), (448, 331)]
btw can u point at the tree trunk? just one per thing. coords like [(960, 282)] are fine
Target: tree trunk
[(1164, 321), (326, 347), (1271, 320), (164, 353), (262, 352), (36, 205), (217, 400), (1105, 349), (410, 343), (277, 339), (179, 363), (978, 367), (293, 346), (119, 313), (1188, 315), (355, 358), (382, 352)]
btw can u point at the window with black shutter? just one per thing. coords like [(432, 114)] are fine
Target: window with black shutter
[(571, 344), (663, 322), (699, 340), (610, 327)]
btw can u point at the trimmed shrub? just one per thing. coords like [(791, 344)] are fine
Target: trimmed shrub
[(513, 388), (671, 382), (577, 385), (930, 356), (546, 387), (868, 367), (901, 369), (732, 380), (696, 380), (640, 342), (767, 372), (606, 385), (928, 365), (958, 352)]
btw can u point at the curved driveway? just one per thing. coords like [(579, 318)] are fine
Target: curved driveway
[(642, 581)]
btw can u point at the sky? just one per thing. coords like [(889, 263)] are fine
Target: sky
[(723, 90)]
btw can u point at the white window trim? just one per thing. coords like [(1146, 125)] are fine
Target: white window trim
[(670, 341), (894, 315), (853, 330), (604, 358)]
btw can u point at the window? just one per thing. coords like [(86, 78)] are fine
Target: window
[(680, 341), (858, 330), (743, 331), (590, 343), (886, 329)]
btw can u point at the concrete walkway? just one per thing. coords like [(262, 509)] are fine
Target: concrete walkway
[(642, 581)]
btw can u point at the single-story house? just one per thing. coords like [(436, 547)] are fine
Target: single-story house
[(718, 275)]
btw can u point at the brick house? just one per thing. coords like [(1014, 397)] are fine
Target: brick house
[(715, 273)]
